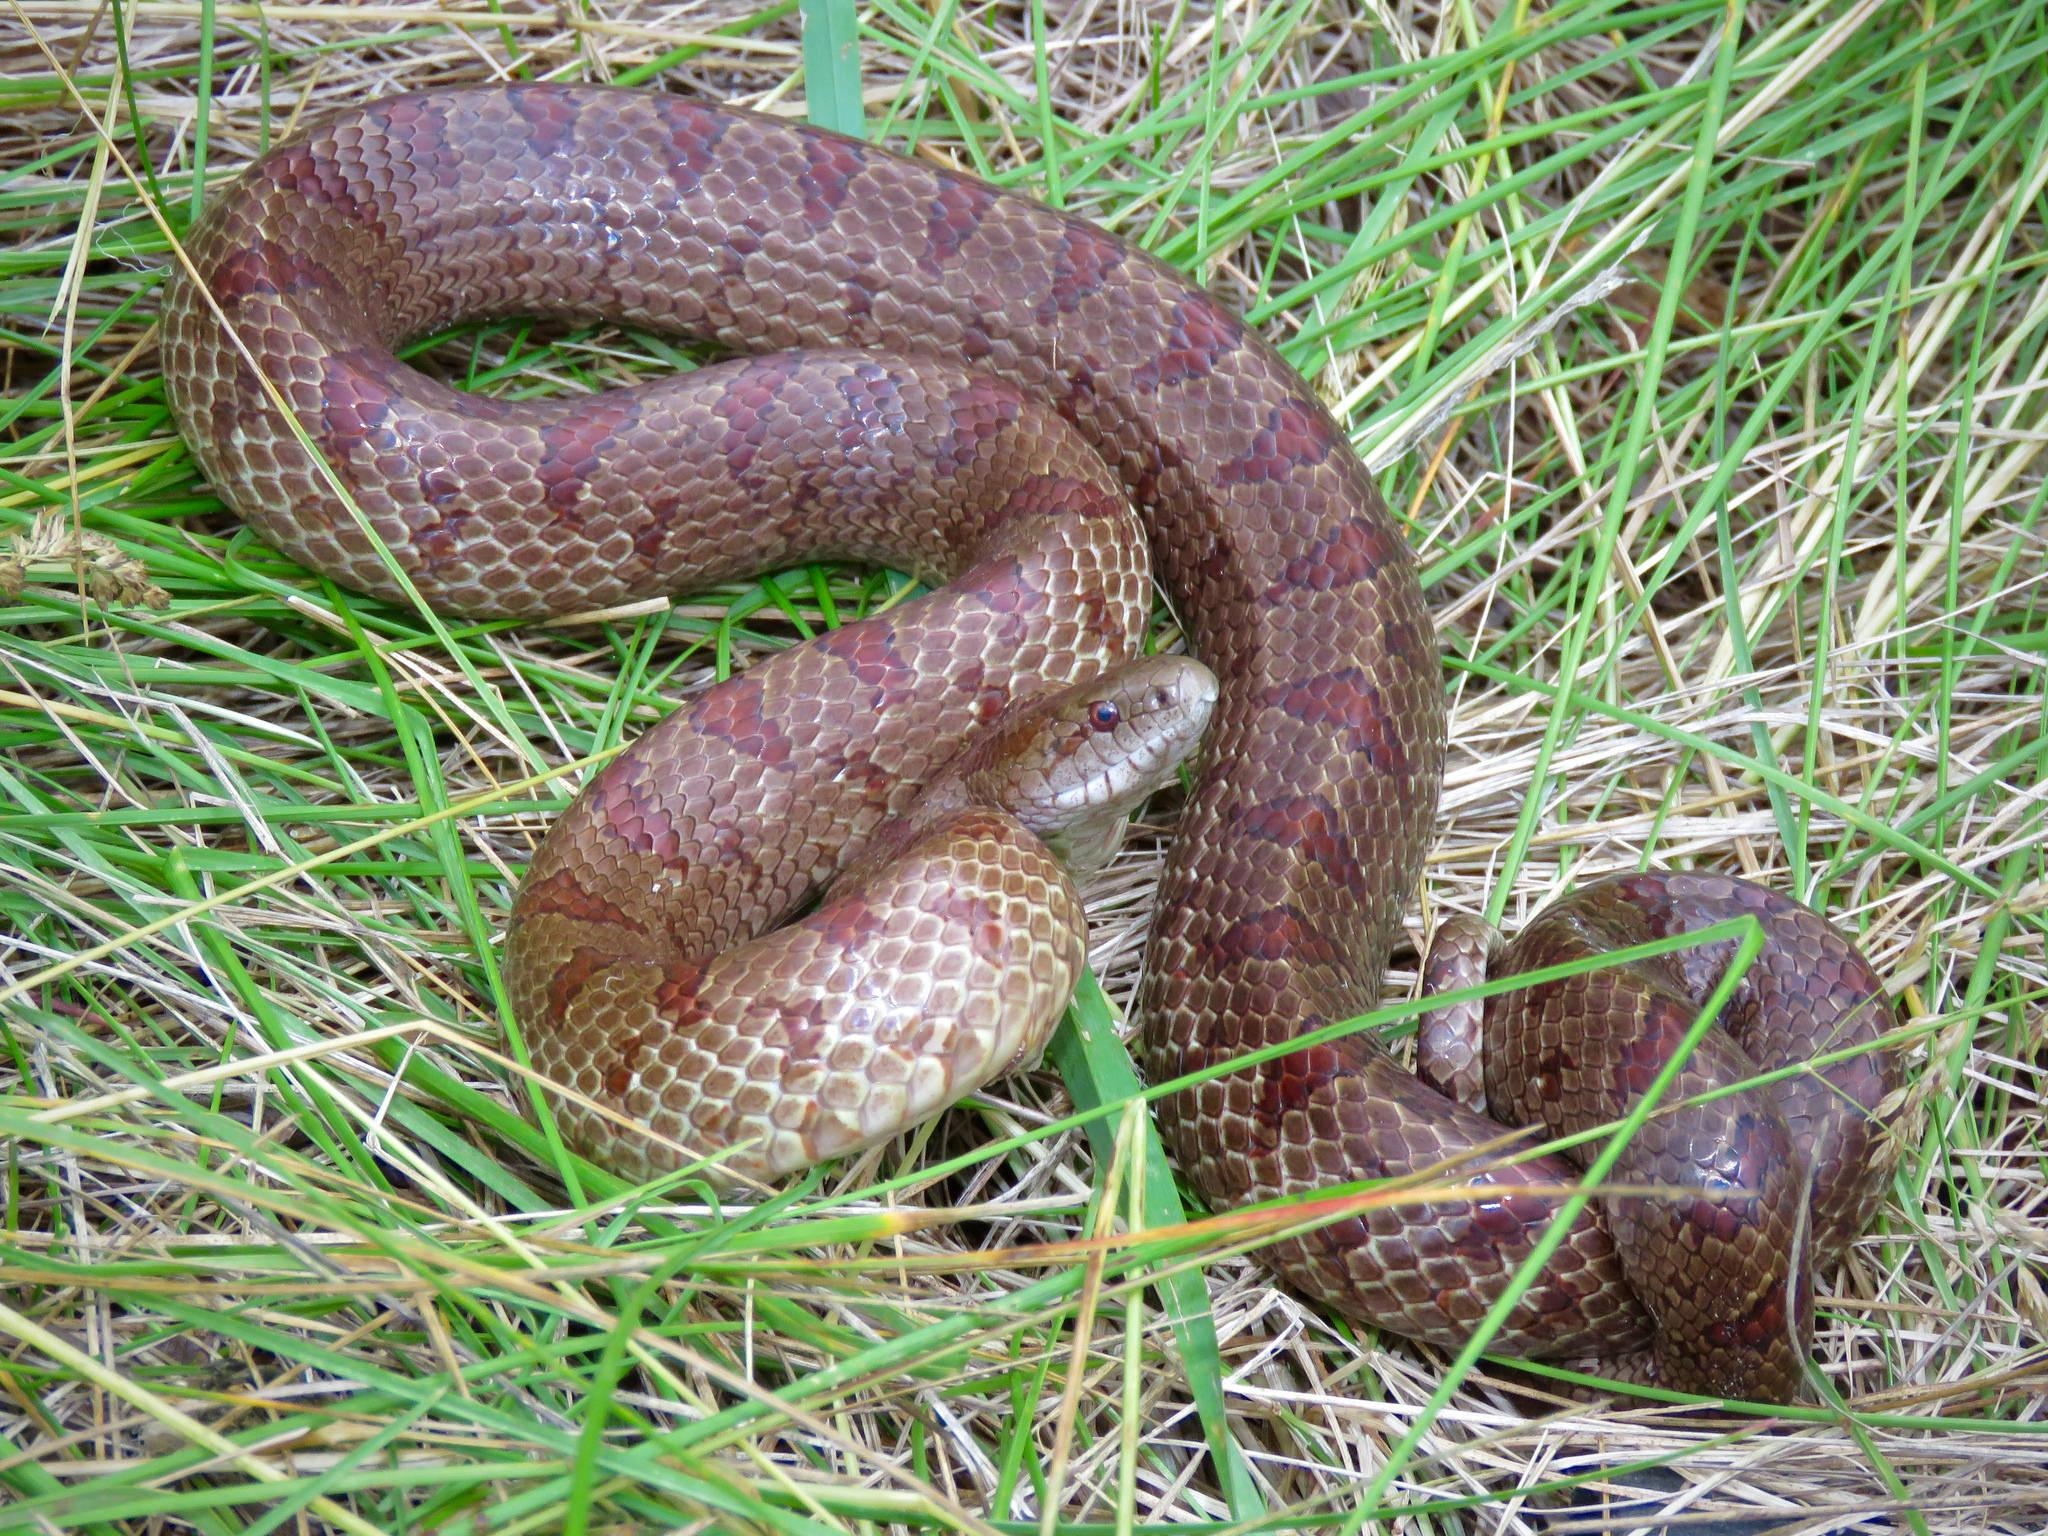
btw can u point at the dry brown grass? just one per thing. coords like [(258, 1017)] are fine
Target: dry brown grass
[(279, 1238)]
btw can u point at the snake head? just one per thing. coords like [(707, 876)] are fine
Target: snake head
[(1073, 765)]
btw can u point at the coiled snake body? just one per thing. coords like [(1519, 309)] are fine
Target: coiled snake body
[(994, 378)]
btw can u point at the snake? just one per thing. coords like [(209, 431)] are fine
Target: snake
[(1015, 406)]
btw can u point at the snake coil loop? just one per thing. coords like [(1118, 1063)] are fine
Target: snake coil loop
[(986, 389)]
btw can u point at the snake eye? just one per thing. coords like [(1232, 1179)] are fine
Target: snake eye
[(1104, 715)]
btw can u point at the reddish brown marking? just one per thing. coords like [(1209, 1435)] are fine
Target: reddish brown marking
[(559, 895), (875, 412), (1078, 402), (738, 713), (1288, 1086), (753, 403), (441, 489), (1081, 266), (1346, 702), (976, 345), (1309, 823), (1058, 496), (1214, 569), (618, 1077), (1201, 335), (1150, 482), (573, 450), (650, 537), (365, 401), (1722, 1219), (849, 922), (985, 699), (1638, 1061), (804, 1037), (320, 182), (1297, 435), (867, 649), (977, 412), (1401, 641), (860, 773), (952, 217), (572, 976), (1550, 1068), (966, 912), (549, 117), (1002, 588), (1356, 552), (830, 165), (857, 297), (1274, 935), (636, 816), (694, 133), (1759, 1149), (676, 1002), (270, 269), (361, 401), (741, 241), (1757, 1328), (440, 545), (1505, 1220), (1103, 618), (416, 116)]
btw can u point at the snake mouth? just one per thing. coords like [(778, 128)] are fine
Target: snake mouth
[(1182, 700)]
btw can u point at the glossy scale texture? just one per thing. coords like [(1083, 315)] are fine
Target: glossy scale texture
[(1002, 347)]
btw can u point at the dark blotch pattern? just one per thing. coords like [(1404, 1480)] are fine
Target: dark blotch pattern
[(1297, 436), (1199, 337), (1356, 552), (1714, 1264), (743, 714), (1310, 825), (1081, 268), (956, 211), (693, 135), (830, 166), (550, 121), (1347, 703), (981, 391)]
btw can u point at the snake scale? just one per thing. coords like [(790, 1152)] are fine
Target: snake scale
[(978, 389)]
